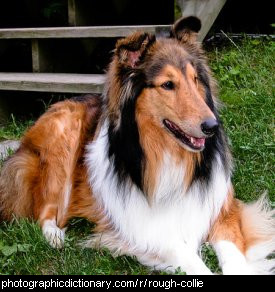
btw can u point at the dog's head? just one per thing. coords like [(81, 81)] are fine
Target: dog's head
[(168, 80), (159, 97)]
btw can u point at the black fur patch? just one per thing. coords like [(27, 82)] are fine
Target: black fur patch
[(124, 142), (213, 145), (191, 23)]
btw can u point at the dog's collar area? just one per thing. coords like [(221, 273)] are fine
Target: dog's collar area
[(192, 142)]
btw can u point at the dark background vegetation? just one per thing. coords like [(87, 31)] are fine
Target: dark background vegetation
[(236, 16)]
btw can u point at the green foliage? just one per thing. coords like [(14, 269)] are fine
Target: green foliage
[(53, 8), (177, 10), (13, 129), (23, 250), (246, 81), (210, 258)]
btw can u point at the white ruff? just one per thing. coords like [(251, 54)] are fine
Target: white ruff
[(173, 226)]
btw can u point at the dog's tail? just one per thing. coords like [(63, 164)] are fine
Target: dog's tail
[(258, 226), (16, 186)]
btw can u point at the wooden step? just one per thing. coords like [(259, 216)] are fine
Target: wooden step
[(80, 32), (52, 82), (206, 11), (7, 146)]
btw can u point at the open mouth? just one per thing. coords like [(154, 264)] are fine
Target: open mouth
[(192, 142)]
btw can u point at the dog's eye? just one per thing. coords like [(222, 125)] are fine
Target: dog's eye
[(169, 85)]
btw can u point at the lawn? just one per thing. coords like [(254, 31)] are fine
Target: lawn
[(244, 72)]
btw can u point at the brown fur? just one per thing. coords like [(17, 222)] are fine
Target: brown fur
[(33, 181), (246, 225), (228, 224)]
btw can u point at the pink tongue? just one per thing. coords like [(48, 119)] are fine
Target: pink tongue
[(198, 142)]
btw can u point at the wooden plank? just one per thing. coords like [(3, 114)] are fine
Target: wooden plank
[(41, 56), (79, 12), (52, 82), (72, 13), (80, 32), (3, 111), (206, 10), (7, 145), (35, 56), (39, 63)]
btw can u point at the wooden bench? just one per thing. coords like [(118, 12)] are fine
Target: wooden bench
[(40, 79), (58, 82), (80, 32)]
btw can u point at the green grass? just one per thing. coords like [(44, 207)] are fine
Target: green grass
[(13, 129), (24, 251), (246, 81), (245, 75)]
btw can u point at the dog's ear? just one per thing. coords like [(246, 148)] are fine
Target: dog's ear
[(131, 50), (186, 29)]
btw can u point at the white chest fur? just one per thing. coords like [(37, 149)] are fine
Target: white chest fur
[(176, 217)]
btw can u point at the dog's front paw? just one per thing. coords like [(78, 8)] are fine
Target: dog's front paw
[(53, 234), (237, 269)]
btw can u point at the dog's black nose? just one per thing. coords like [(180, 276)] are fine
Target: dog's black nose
[(209, 126)]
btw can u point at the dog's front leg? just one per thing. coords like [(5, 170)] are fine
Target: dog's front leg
[(183, 258), (189, 261)]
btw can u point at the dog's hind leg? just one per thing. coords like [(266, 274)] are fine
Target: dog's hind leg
[(38, 180), (53, 208), (51, 195), (31, 187), (53, 234), (54, 186)]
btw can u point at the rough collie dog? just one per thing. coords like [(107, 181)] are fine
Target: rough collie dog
[(148, 163)]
